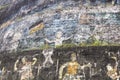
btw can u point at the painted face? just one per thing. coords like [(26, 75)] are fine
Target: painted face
[(59, 34), (73, 57), (24, 60), (109, 67)]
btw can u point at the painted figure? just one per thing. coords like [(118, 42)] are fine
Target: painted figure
[(48, 60), (4, 74), (58, 39), (26, 70), (112, 70), (72, 68)]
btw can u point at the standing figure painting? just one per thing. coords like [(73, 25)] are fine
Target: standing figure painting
[(72, 69), (25, 72), (58, 40)]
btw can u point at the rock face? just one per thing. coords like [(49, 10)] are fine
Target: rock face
[(26, 24), (99, 57), (21, 23), (20, 7)]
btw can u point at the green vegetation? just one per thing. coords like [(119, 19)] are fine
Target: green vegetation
[(46, 46), (95, 43), (29, 49), (67, 45), (4, 6), (71, 45)]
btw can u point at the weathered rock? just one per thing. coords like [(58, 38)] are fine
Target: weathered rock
[(99, 57), (68, 16)]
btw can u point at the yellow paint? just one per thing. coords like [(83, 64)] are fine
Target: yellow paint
[(72, 68), (36, 28)]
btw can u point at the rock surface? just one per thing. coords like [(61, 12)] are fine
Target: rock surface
[(20, 17), (99, 57), (25, 24)]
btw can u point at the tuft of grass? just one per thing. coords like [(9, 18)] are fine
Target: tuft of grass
[(46, 46), (4, 6), (29, 49), (67, 45), (71, 45), (98, 43)]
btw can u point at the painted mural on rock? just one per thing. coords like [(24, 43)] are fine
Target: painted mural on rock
[(79, 63), (86, 25), (59, 40)]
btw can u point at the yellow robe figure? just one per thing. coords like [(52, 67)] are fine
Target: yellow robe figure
[(72, 68), (71, 73)]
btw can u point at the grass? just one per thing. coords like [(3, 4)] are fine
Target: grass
[(66, 45), (71, 45), (4, 6)]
